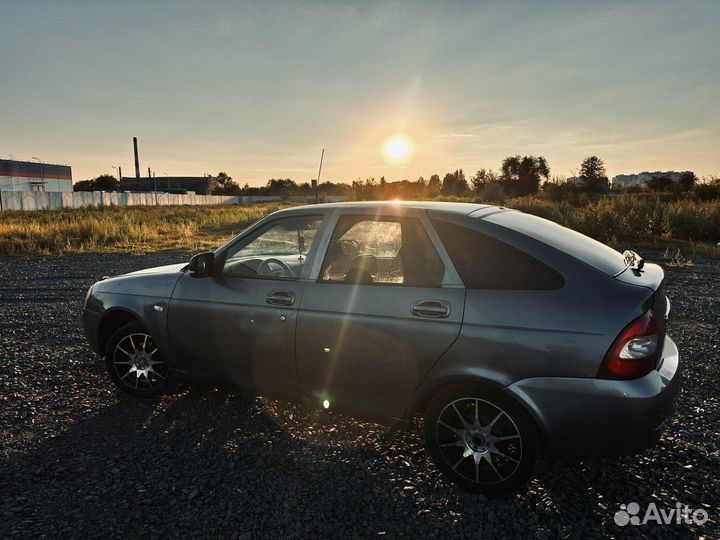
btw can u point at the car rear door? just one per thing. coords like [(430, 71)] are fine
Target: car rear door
[(384, 307)]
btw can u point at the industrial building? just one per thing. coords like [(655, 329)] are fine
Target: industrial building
[(34, 176), (200, 185), (641, 179)]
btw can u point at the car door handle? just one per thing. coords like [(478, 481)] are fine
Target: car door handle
[(433, 309), (280, 298)]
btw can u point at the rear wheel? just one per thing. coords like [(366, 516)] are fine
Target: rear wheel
[(134, 364), (483, 441)]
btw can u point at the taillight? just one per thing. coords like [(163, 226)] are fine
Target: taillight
[(633, 354)]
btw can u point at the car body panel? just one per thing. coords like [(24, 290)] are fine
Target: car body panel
[(144, 294), (514, 334), (151, 310), (158, 281), (223, 327), (91, 323), (360, 346), (587, 417)]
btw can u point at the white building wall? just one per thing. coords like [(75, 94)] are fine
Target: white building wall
[(15, 183), (38, 200), (641, 179)]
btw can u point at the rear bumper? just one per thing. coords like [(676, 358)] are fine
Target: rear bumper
[(582, 418)]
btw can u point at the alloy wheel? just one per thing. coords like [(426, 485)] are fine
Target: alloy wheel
[(479, 440), (137, 363)]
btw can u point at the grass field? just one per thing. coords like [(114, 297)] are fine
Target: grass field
[(636, 222), (131, 229), (627, 221)]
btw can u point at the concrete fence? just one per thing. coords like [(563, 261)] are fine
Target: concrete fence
[(44, 200)]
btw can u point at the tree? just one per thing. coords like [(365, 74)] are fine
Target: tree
[(522, 174), (660, 183), (225, 185), (492, 192), (433, 185), (365, 191), (593, 175), (592, 167), (708, 189), (687, 181), (481, 178), (104, 182), (455, 183), (281, 186), (83, 185)]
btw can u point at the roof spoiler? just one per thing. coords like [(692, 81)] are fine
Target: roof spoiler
[(633, 260)]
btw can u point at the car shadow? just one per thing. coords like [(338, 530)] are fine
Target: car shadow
[(203, 462)]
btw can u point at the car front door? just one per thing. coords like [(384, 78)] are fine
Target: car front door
[(238, 324), (385, 306)]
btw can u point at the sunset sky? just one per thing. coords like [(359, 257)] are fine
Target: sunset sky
[(258, 89)]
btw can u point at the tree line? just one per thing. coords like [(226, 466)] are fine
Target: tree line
[(517, 176)]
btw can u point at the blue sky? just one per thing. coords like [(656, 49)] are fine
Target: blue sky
[(257, 89)]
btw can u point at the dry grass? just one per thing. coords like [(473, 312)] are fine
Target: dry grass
[(632, 218), (623, 222), (635, 222), (124, 229)]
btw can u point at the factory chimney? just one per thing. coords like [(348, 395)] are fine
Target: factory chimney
[(137, 161)]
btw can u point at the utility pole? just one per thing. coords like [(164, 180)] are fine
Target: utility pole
[(155, 184), (42, 172), (317, 187)]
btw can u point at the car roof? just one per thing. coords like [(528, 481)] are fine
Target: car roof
[(462, 208)]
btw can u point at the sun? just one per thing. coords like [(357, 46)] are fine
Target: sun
[(397, 149)]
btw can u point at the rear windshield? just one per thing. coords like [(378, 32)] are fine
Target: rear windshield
[(582, 247)]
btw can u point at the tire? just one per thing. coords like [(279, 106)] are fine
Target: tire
[(493, 453), (134, 364)]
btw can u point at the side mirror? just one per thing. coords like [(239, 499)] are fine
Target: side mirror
[(201, 264)]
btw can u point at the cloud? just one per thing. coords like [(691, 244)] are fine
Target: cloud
[(459, 135)]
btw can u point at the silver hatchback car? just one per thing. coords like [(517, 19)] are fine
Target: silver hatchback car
[(509, 334)]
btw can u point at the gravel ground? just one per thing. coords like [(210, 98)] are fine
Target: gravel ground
[(81, 460)]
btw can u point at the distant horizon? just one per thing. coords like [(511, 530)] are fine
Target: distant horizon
[(257, 89), (467, 173)]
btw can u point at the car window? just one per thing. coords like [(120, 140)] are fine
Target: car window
[(278, 251), (484, 262), (382, 251), (582, 247)]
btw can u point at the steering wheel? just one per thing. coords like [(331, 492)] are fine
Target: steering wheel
[(265, 270)]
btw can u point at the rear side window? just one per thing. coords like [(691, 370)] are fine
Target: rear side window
[(484, 262), (582, 247), (382, 250)]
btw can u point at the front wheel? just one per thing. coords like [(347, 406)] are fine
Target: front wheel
[(134, 364), (482, 441)]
